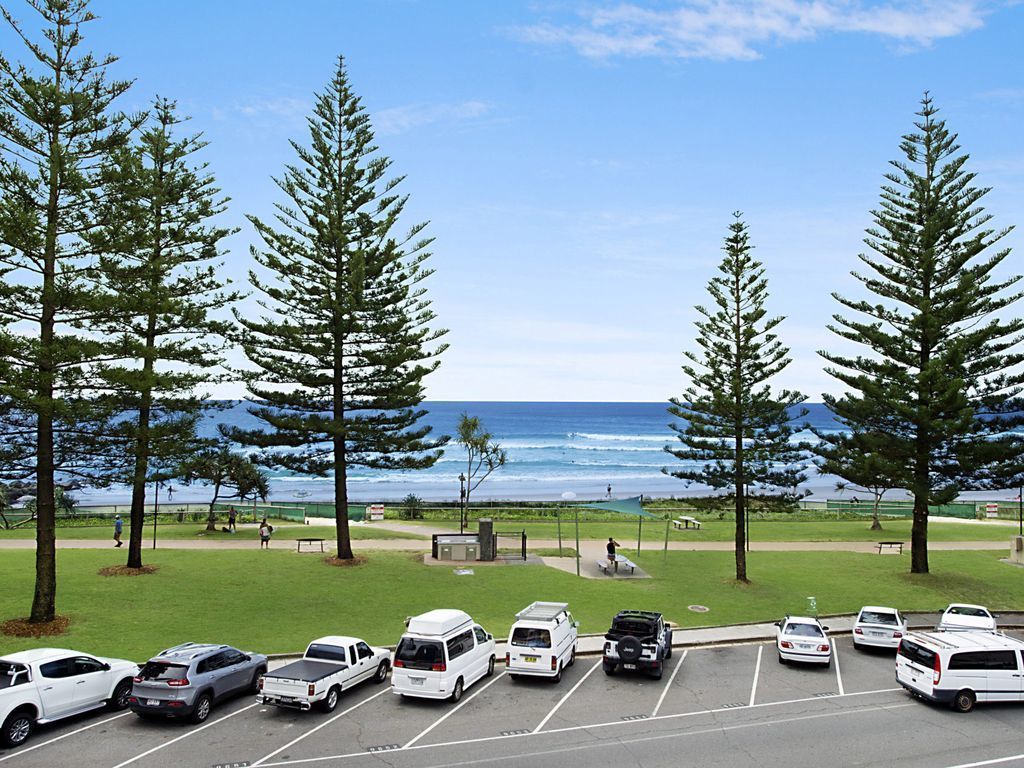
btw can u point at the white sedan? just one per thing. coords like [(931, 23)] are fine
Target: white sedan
[(879, 627), (963, 616), (800, 638)]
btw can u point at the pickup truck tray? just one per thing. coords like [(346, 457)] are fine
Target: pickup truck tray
[(307, 671)]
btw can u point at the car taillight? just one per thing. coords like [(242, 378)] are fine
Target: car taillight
[(311, 690), (399, 663), (178, 683), (554, 663), (897, 634), (259, 684), (858, 631), (823, 647), (136, 679), (133, 700), (508, 658), (786, 644), (438, 667), (937, 673), (607, 647)]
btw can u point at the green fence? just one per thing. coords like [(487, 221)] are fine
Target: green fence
[(964, 509)]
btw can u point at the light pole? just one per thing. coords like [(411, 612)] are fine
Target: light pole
[(1020, 511), (156, 509), (462, 503)]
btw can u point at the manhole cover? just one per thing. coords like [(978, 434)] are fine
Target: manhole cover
[(698, 608)]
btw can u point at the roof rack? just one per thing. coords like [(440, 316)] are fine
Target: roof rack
[(541, 611)]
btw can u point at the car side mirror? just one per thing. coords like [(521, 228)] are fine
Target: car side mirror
[(490, 636), (106, 667), (824, 629), (778, 624)]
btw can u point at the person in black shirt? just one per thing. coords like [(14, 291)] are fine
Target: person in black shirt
[(612, 544)]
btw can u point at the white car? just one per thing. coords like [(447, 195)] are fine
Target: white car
[(963, 616), (48, 684), (542, 642), (878, 627), (441, 654), (800, 638)]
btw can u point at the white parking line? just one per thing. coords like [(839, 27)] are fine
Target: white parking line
[(193, 732), (996, 761), (757, 672), (839, 675), (324, 724), (616, 723), (451, 712), (668, 685), (64, 736), (565, 698)]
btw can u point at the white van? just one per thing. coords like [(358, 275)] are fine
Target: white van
[(961, 668), (542, 642), (442, 653)]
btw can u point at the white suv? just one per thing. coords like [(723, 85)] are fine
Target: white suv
[(963, 616), (542, 642), (442, 653), (800, 638)]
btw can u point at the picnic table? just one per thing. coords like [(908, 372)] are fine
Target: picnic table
[(300, 542), (890, 545), (683, 521), (609, 567)]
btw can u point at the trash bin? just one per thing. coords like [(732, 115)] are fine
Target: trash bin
[(471, 552), (445, 552)]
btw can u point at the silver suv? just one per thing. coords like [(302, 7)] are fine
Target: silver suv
[(188, 679)]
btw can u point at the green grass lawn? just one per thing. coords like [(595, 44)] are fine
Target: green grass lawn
[(198, 531), (277, 601), (725, 530)]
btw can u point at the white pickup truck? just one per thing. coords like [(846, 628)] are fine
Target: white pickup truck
[(330, 665), (48, 684)]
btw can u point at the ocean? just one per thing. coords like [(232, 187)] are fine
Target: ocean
[(553, 449)]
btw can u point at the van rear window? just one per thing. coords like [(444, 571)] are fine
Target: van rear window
[(12, 674), (415, 653), (160, 670), (527, 637), (917, 653)]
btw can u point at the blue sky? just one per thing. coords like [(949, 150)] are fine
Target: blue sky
[(580, 161)]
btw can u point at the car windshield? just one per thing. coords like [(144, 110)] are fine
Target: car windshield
[(878, 617), (803, 630), (12, 674), (419, 654), (161, 670), (326, 652), (963, 610), (529, 637)]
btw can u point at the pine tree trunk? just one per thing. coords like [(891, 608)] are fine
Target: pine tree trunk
[(876, 524), (341, 500), (741, 511), (919, 530), (137, 516)]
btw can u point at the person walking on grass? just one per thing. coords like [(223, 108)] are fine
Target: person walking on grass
[(232, 515), (265, 530), (118, 527)]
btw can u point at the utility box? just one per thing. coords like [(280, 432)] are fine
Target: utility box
[(456, 546), (1017, 550)]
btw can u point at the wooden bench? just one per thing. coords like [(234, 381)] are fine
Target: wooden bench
[(890, 545), (686, 522), (300, 542)]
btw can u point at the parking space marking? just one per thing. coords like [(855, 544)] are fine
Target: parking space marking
[(839, 675), (619, 723), (565, 698), (64, 736), (324, 724), (193, 732), (995, 761), (668, 685), (452, 711), (757, 671)]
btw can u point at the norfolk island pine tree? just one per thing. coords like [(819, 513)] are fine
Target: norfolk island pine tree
[(737, 430), (340, 356), (57, 131), (942, 369)]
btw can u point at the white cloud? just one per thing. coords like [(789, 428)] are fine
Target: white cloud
[(401, 119), (740, 29)]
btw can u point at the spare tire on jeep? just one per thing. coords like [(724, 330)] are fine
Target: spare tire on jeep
[(630, 648)]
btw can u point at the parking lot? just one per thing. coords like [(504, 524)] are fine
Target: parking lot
[(726, 705)]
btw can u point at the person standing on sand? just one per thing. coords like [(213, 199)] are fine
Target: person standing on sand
[(118, 527), (609, 490), (265, 530), (231, 519)]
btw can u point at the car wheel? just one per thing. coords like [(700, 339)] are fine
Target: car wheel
[(657, 672), (457, 692), (203, 707), (964, 701), (122, 692), (668, 648), (17, 728), (781, 660), (557, 677), (572, 657), (330, 701), (490, 666), (254, 684), (828, 664), (382, 673), (609, 668)]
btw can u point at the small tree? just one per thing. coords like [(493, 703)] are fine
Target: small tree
[(411, 507), (231, 474), (862, 462), (483, 456), (736, 435)]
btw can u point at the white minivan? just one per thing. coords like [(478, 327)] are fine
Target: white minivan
[(442, 653), (961, 668), (542, 642)]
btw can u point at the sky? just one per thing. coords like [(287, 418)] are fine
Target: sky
[(579, 162)]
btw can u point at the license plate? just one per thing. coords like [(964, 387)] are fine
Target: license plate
[(153, 702), (877, 634), (804, 647), (417, 680), (629, 666), (531, 658)]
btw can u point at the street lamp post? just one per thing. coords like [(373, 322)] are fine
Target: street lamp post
[(1020, 511), (156, 509), (462, 503)]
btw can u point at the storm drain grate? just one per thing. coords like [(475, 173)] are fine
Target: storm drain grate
[(826, 695), (384, 748), (240, 764), (733, 705), (517, 732), (634, 717)]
